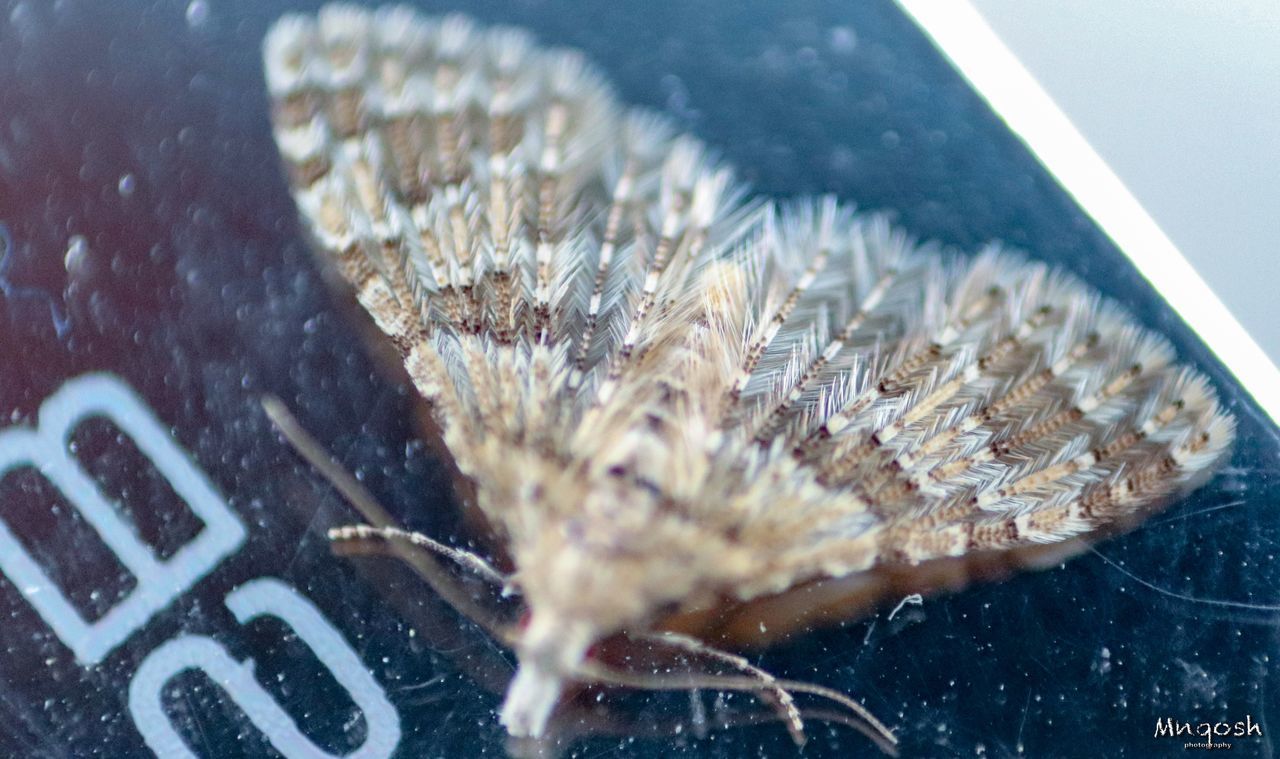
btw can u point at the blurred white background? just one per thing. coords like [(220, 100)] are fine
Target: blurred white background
[(1182, 99)]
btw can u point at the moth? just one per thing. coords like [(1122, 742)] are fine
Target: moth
[(687, 415)]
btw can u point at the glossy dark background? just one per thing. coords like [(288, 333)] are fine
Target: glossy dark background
[(143, 128)]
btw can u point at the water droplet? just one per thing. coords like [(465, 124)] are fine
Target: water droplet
[(197, 13), (77, 254), (843, 40), (126, 185)]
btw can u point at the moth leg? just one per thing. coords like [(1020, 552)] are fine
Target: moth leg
[(419, 557), (781, 698), (864, 722)]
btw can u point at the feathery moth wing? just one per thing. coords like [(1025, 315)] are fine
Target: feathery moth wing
[(680, 411)]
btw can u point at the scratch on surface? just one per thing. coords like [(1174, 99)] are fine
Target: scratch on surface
[(1026, 708), (1270, 608), (1199, 512), (870, 629), (1263, 670)]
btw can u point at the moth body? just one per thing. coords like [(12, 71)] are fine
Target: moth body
[(681, 409)]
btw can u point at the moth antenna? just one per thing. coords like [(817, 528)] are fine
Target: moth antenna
[(443, 584), (463, 558), (314, 454)]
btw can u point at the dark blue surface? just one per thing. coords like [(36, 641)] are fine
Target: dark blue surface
[(199, 292)]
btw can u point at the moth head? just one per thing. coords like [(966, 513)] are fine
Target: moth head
[(550, 649), (590, 577)]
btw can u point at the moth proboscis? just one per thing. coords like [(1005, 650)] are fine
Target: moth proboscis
[(687, 415)]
